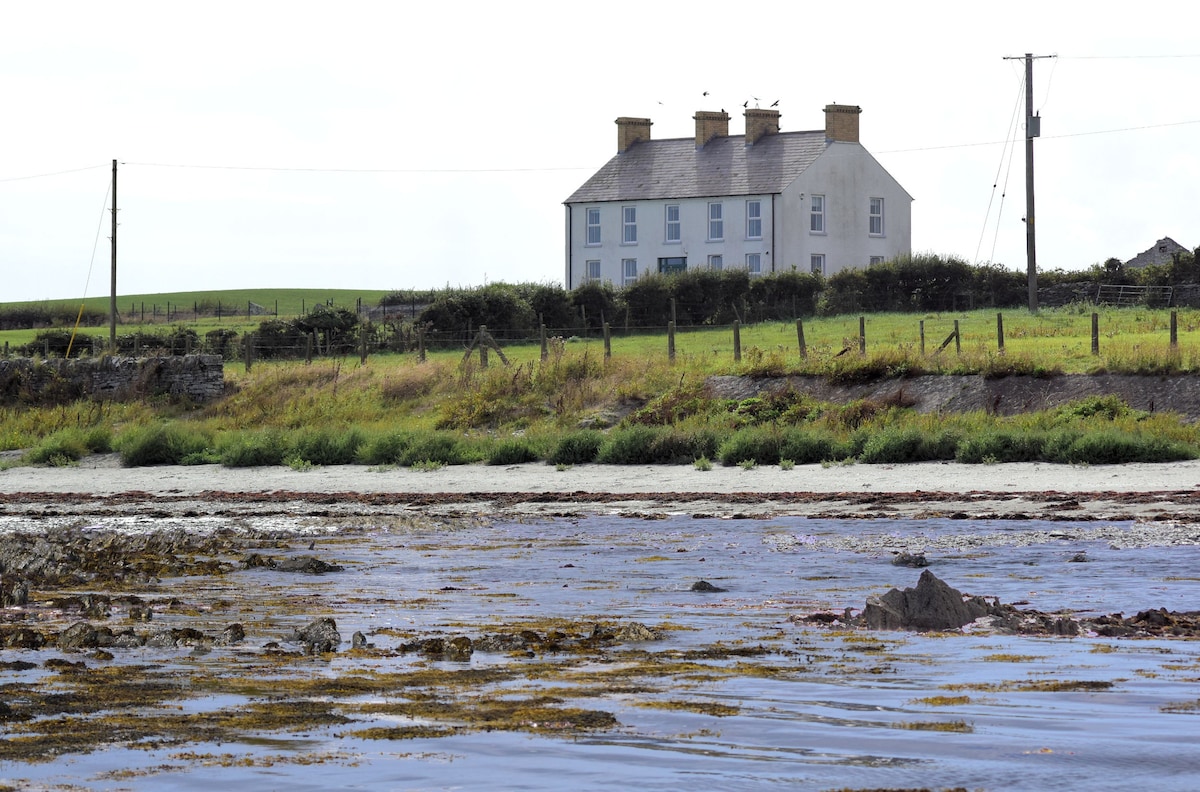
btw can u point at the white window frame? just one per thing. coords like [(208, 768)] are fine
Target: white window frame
[(716, 262), (592, 223), (673, 232), (629, 271), (875, 260), (716, 222), (875, 226), (754, 263), (753, 219), (816, 263), (816, 214), (591, 271), (628, 225)]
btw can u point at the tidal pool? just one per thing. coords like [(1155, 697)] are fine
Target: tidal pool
[(732, 692)]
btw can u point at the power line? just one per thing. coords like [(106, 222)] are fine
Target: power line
[(350, 170), (55, 173), (1124, 57), (1044, 137)]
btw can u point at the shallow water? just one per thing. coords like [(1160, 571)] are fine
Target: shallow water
[(817, 708)]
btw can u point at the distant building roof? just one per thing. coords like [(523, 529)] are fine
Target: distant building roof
[(675, 168), (1157, 255)]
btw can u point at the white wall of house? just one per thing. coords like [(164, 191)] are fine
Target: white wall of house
[(652, 243), (847, 177)]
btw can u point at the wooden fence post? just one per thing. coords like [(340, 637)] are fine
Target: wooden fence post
[(249, 351), (1000, 332), (957, 339), (483, 357), (421, 344), (362, 343), (862, 335), (737, 341), (607, 341), (545, 347), (1095, 333), (1174, 330), (671, 340), (800, 338), (308, 345), (922, 324)]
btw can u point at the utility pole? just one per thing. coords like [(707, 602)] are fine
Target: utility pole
[(112, 295), (1033, 128)]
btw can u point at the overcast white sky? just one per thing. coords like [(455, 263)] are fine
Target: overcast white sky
[(377, 145)]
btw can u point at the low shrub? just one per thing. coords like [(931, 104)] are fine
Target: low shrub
[(759, 444), (1115, 447), (635, 445), (161, 444), (254, 449), (644, 445), (69, 445), (1001, 445), (441, 448), (908, 444), (806, 447), (513, 451), (577, 448), (384, 449), (327, 446)]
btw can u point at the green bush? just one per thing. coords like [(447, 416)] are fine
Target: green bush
[(161, 444), (908, 444), (577, 448), (760, 444), (629, 445), (807, 447), (70, 445), (513, 451), (1114, 448), (440, 448), (1002, 445), (385, 449), (1109, 407), (327, 446), (636, 444), (254, 449)]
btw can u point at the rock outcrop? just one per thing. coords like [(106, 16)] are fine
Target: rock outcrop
[(932, 605)]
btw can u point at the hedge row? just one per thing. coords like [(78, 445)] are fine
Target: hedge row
[(627, 445)]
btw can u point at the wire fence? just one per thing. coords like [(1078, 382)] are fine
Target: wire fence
[(374, 338)]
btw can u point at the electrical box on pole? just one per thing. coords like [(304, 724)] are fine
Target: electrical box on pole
[(1033, 129)]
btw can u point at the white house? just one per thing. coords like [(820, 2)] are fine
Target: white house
[(768, 201)]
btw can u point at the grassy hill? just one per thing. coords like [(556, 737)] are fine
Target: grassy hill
[(290, 302)]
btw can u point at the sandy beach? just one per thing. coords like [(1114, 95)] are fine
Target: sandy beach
[(1136, 491)]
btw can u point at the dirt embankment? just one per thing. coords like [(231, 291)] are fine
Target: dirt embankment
[(1178, 394)]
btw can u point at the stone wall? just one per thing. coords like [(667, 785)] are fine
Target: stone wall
[(200, 378)]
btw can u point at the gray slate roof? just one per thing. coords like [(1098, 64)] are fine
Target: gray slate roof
[(675, 168)]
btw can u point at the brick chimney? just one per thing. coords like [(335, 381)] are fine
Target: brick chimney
[(760, 123), (631, 131), (710, 125), (841, 122)]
